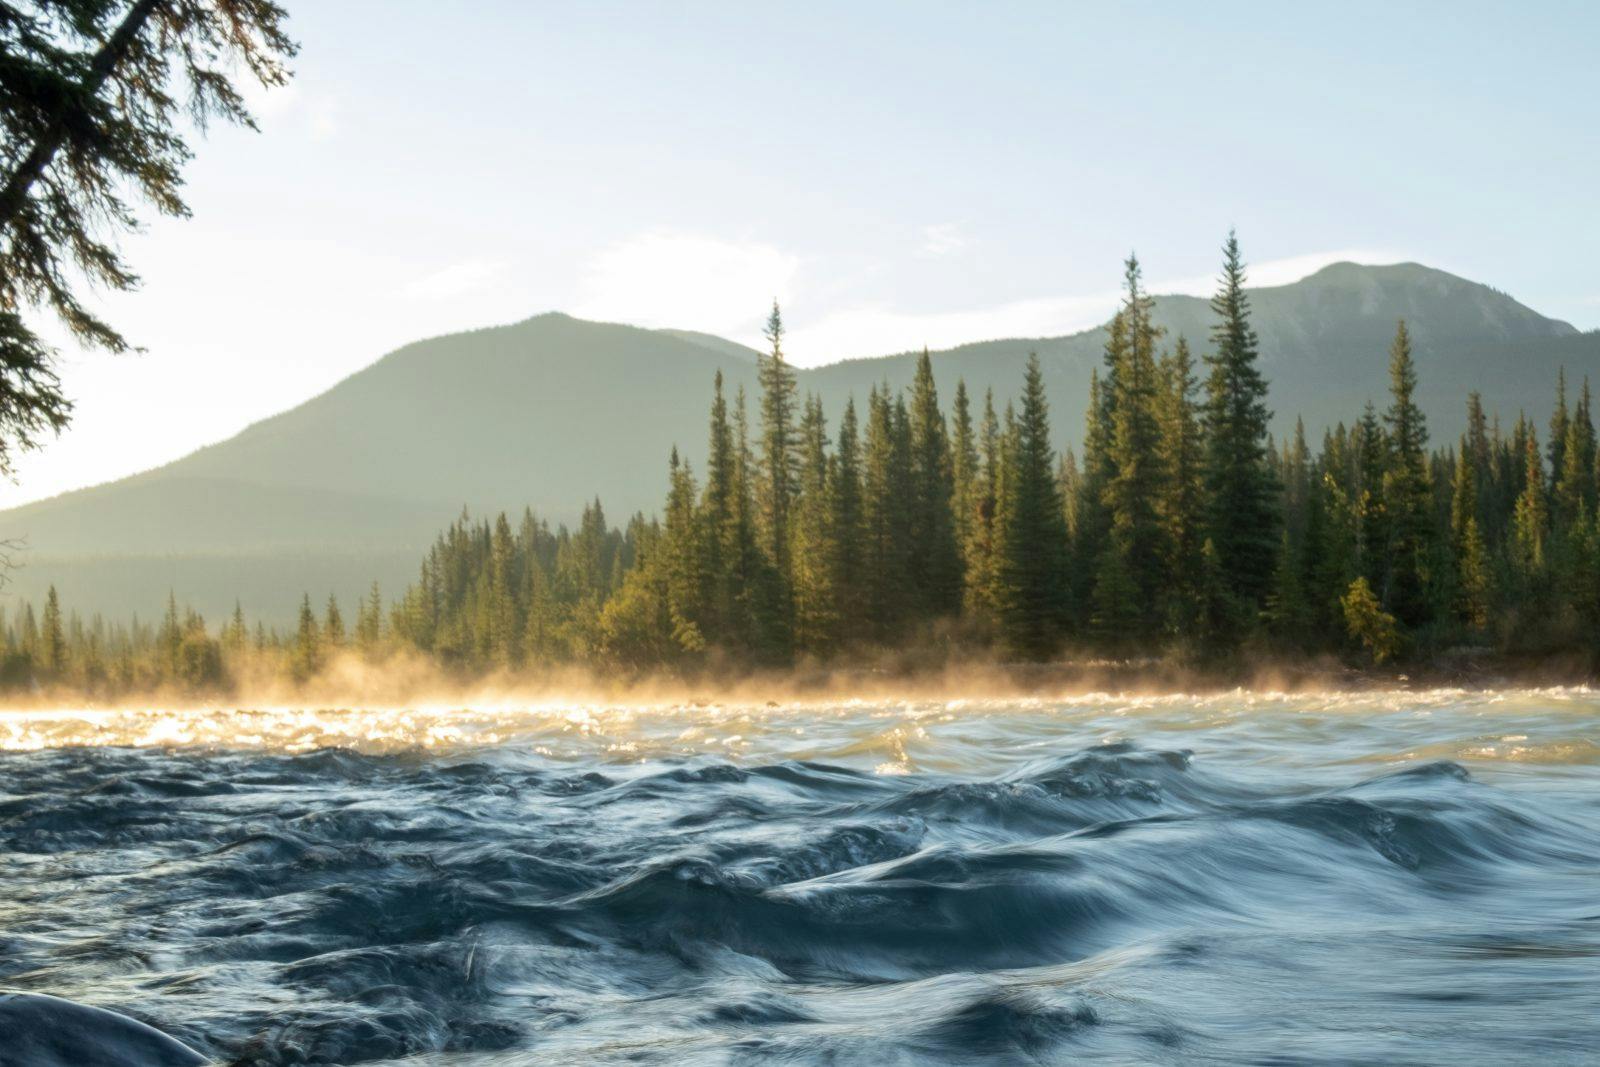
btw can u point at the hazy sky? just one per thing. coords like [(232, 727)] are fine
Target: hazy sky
[(898, 174)]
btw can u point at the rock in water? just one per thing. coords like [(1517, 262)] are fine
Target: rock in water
[(43, 1031)]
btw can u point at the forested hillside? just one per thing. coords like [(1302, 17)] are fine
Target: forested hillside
[(1176, 527), (549, 412)]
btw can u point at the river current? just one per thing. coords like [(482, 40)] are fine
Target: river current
[(1407, 877)]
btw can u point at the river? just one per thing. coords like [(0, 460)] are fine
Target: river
[(1384, 877)]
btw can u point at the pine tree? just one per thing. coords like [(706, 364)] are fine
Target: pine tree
[(980, 593), (886, 506), (1467, 547), (333, 624), (237, 634), (761, 630), (1137, 545), (1242, 519), (1092, 519), (1369, 623), (1407, 492), (934, 558), (1473, 580), (1575, 477), (966, 477), (812, 550), (52, 641), (369, 621), (722, 517), (307, 655), (1032, 594), (1559, 422), (779, 462), (846, 525), (1180, 507), (170, 639), (681, 562), (1531, 519)]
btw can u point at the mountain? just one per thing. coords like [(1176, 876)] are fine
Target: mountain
[(351, 485)]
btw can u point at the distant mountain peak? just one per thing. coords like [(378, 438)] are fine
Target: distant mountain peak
[(351, 485)]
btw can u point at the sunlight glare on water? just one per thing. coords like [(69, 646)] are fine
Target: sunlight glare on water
[(1402, 876)]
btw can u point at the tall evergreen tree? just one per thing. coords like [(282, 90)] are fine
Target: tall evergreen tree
[(307, 652), (1472, 580), (1032, 594), (1530, 522), (966, 474), (846, 523), (1135, 569), (1575, 477), (333, 624), (1407, 493), (1559, 420), (812, 550), (1180, 507), (52, 640), (934, 558), (981, 587), (1242, 519), (779, 454)]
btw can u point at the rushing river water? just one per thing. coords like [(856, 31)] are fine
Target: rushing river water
[(1408, 877)]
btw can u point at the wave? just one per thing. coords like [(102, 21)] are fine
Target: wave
[(1080, 895)]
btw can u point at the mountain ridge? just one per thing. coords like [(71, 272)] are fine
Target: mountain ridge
[(552, 410)]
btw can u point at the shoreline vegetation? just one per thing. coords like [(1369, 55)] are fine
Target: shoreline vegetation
[(1179, 545)]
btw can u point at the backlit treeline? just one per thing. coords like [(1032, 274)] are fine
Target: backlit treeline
[(1181, 528)]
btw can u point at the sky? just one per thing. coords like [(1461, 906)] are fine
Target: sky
[(896, 174)]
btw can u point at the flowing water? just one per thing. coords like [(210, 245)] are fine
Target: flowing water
[(1402, 877)]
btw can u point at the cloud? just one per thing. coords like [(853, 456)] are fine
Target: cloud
[(686, 280), (942, 239), (455, 280)]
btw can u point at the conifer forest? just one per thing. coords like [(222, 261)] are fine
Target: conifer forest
[(936, 519)]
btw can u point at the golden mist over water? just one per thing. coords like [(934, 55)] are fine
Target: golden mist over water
[(971, 717)]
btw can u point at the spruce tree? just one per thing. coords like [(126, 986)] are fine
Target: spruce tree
[(965, 474), (1137, 545), (980, 594), (1472, 579), (680, 563), (1575, 478), (307, 652), (1407, 492), (1092, 526), (1180, 507), (1531, 519), (934, 558), (1032, 594), (885, 519), (333, 624), (1242, 519), (723, 518), (779, 455), (812, 550), (846, 522), (52, 640), (1557, 441)]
